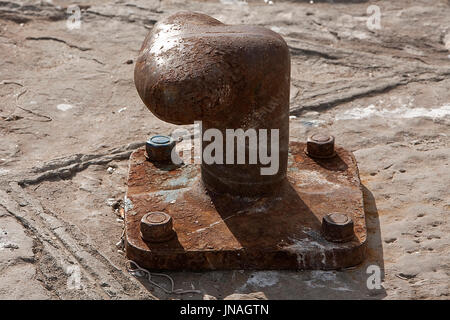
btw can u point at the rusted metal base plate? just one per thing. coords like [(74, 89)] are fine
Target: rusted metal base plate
[(215, 231)]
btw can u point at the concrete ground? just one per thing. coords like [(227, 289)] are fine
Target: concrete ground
[(70, 117)]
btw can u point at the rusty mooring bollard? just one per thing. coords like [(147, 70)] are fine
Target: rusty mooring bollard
[(192, 67)]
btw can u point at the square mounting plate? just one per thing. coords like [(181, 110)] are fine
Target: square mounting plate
[(222, 231)]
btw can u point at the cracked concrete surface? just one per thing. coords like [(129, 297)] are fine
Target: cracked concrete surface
[(70, 116)]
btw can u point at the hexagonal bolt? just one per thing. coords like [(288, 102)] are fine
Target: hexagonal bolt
[(159, 148), (337, 227), (157, 227), (320, 146)]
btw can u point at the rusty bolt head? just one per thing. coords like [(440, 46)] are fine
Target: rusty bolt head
[(337, 227), (159, 148), (320, 146), (157, 227)]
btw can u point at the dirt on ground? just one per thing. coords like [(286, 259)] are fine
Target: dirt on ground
[(70, 116)]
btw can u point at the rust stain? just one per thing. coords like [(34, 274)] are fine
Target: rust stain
[(223, 231)]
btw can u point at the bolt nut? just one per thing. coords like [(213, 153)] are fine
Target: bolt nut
[(320, 146), (159, 148), (337, 227), (157, 227)]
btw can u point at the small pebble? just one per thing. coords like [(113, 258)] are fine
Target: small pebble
[(23, 203), (11, 246), (390, 239), (406, 276)]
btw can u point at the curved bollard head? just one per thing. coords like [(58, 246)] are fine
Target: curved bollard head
[(193, 67)]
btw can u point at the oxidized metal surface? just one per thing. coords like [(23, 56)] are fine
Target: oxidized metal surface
[(192, 67), (223, 231)]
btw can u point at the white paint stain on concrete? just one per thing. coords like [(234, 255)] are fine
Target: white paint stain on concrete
[(5, 243), (275, 29), (234, 2), (326, 279), (404, 112), (263, 279), (64, 106), (312, 122)]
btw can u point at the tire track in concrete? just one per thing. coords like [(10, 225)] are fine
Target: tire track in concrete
[(102, 280)]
